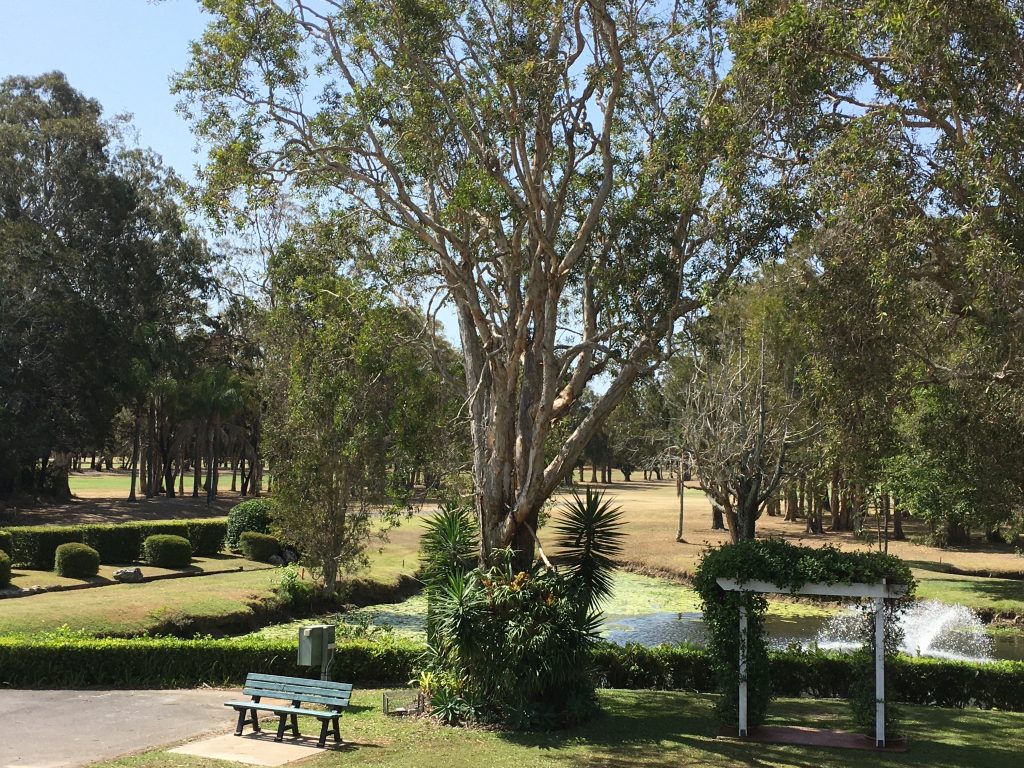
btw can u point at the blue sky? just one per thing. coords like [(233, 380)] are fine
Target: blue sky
[(120, 52)]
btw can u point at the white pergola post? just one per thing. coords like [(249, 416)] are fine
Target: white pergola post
[(879, 672), (743, 671)]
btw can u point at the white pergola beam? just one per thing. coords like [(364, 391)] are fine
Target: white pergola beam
[(882, 590)]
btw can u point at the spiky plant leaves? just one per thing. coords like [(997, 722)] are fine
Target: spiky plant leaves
[(449, 544), (589, 534)]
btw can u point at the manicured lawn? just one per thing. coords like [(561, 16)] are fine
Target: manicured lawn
[(647, 728), (973, 591), (126, 609)]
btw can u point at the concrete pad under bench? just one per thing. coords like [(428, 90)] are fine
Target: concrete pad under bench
[(253, 749)]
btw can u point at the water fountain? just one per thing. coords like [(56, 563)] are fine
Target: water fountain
[(930, 628)]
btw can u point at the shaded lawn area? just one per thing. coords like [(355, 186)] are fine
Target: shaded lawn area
[(975, 592), (645, 728), (22, 578)]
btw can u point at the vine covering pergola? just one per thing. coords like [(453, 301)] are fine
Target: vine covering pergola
[(734, 580)]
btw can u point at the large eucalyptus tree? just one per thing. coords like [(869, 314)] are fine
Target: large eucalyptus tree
[(573, 177)]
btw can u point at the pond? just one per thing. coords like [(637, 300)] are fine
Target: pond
[(650, 611)]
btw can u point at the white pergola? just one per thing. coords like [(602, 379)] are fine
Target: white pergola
[(879, 592)]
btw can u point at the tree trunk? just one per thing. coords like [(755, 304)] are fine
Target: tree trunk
[(136, 438), (897, 521), (681, 486)]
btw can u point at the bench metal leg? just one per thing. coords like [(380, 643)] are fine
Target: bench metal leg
[(295, 726), (282, 723), (255, 722), (337, 729), (241, 722), (324, 725)]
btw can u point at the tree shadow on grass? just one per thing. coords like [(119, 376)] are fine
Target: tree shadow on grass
[(650, 728)]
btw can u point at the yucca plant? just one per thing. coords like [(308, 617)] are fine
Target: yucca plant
[(589, 535)]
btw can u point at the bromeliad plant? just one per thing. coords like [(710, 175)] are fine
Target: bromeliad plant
[(513, 647)]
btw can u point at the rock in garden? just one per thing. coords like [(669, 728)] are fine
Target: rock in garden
[(290, 555), (276, 560), (128, 575)]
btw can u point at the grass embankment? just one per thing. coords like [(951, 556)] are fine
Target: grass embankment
[(645, 728)]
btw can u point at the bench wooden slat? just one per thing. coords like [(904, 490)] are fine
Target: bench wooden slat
[(305, 681), (295, 691), (341, 701)]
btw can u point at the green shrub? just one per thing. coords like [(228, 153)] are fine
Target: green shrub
[(252, 515), (6, 542), (69, 660), (206, 536), (166, 551), (76, 561), (115, 543), (259, 546), (35, 546), (480, 620), (5, 569)]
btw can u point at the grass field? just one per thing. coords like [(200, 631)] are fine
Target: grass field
[(645, 728)]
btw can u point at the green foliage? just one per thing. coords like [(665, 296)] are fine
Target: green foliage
[(6, 542), (508, 646), (115, 543), (118, 543), (589, 533), (67, 659), (294, 591), (76, 561), (5, 569), (790, 567), (252, 515), (167, 551), (259, 546), (206, 536), (35, 546)]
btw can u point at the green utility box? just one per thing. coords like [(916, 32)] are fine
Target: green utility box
[(316, 645)]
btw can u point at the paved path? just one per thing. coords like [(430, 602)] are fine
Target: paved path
[(60, 729)]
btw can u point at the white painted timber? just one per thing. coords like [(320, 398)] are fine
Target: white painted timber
[(879, 672), (743, 671), (882, 590)]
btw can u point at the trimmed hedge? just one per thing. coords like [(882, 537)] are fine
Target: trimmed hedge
[(118, 543), (165, 550), (76, 561), (59, 661), (5, 569), (164, 662), (35, 546), (6, 542), (252, 515), (259, 546)]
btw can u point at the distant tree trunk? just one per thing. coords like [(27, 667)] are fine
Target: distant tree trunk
[(136, 437), (152, 473), (581, 473), (957, 533), (197, 468), (234, 472), (681, 490), (593, 472), (897, 521)]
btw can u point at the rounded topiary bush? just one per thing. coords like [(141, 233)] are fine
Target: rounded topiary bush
[(252, 515), (5, 569), (76, 561), (166, 551), (259, 546), (6, 542)]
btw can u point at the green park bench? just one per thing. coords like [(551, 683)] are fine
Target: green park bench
[(297, 690)]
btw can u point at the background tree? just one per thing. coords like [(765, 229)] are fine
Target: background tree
[(343, 392)]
